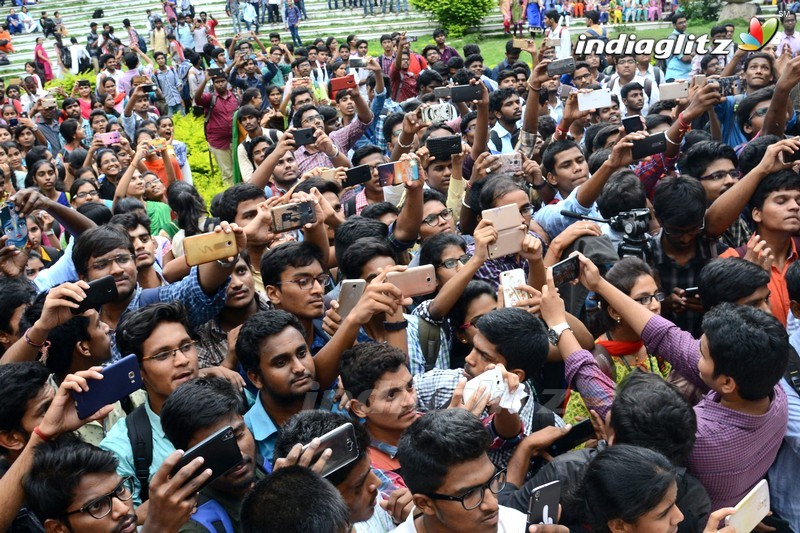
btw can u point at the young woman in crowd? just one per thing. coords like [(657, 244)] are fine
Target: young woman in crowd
[(43, 175)]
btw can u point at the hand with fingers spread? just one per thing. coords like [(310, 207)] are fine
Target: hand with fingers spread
[(758, 252), (299, 456)]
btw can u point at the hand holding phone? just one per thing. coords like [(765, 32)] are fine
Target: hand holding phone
[(566, 271), (100, 292), (220, 453), (543, 507), (343, 445), (207, 247), (119, 380)]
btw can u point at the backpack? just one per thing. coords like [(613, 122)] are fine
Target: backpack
[(429, 341), (66, 57), (211, 515), (140, 435), (185, 94), (84, 64), (142, 43), (98, 14)]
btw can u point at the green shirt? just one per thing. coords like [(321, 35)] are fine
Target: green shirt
[(160, 218)]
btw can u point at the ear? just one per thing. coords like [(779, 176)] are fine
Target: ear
[(5, 339), (756, 215), (274, 294), (255, 377), (55, 526), (12, 440), (360, 409), (424, 504), (613, 314), (794, 306), (551, 179), (727, 384), (83, 348), (618, 525), (520, 374)]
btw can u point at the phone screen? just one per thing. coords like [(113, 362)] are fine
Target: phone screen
[(566, 271)]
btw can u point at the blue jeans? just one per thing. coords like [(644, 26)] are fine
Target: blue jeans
[(368, 3), (237, 22), (301, 5), (173, 109), (295, 35)]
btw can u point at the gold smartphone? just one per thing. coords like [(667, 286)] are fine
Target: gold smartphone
[(208, 247), (414, 281)]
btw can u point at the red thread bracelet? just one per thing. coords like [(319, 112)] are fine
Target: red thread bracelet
[(41, 434)]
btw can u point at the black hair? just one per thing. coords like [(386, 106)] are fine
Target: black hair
[(297, 118), (706, 60), (437, 441), (748, 104), (753, 152), (498, 97), (364, 151), (700, 156), (597, 159), (355, 228), (132, 220), (321, 184), (30, 176), (679, 201), (294, 499), (233, 196), (188, 205), (695, 136), (466, 119), (259, 327), (628, 87), (510, 48), (96, 242), (496, 188), (361, 252), (124, 205), (623, 192), (736, 332), (432, 249), (593, 15), (376, 211), (136, 326), (602, 135), (472, 58), (793, 281), (364, 364), (653, 121), (307, 425), (520, 337), (623, 276), (768, 58), (552, 150), (16, 292), (20, 383), (728, 280), (288, 254), (57, 469), (198, 404), (663, 105), (783, 180)]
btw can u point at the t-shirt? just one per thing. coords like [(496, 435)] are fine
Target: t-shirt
[(157, 166)]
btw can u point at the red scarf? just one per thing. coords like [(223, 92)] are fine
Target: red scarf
[(620, 348)]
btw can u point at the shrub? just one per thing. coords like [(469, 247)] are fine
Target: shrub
[(456, 15), (189, 129), (68, 82), (697, 10)]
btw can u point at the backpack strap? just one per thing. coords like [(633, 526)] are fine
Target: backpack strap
[(792, 374), (429, 341), (212, 516), (496, 141), (149, 296), (648, 87), (542, 418), (140, 435), (350, 206)]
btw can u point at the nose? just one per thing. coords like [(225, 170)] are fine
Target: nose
[(297, 366), (316, 287), (489, 503), (119, 508), (470, 360), (115, 268)]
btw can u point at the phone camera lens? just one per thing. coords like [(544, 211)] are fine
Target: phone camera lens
[(349, 445)]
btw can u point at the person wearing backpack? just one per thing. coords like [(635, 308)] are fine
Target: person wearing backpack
[(626, 69), (219, 105)]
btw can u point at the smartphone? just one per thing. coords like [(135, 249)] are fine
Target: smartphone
[(729, 85), (304, 136), (508, 242), (543, 507), (791, 158), (13, 122), (509, 281), (138, 80), (112, 137), (208, 247), (564, 91), (552, 43), (673, 91), (357, 175), (633, 123), (329, 174), (14, 226), (293, 216), (465, 93), (24, 114), (414, 281), (580, 433), (216, 73), (561, 66), (597, 99), (752, 509), (219, 451), (100, 292), (509, 163), (343, 83), (343, 445), (651, 145), (519, 43), (148, 88), (357, 62), (398, 172), (565, 271), (491, 380), (438, 113), (691, 292), (443, 148), (700, 80), (503, 217), (157, 145), (411, 38), (119, 379), (48, 102), (349, 295)]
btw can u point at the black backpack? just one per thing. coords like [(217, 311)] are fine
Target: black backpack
[(66, 57), (140, 435)]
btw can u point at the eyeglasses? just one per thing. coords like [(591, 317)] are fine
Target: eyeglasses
[(306, 282), (101, 507), (626, 62), (313, 118), (152, 183), (645, 300), (758, 113), (472, 323), (526, 210), (121, 260), (184, 348), (432, 220), (474, 497), (678, 233), (452, 263), (87, 194), (722, 174)]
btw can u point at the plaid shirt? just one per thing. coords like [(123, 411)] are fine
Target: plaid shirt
[(733, 450), (212, 346), (673, 276), (651, 171), (435, 390), (491, 269), (343, 139), (737, 234)]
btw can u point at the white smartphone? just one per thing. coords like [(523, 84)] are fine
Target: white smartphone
[(751, 510), (349, 295), (596, 99), (509, 280), (673, 91), (509, 241), (492, 380)]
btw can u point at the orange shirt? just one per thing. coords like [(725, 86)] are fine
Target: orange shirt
[(158, 168), (778, 291)]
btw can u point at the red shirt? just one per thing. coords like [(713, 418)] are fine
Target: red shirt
[(158, 168), (219, 130), (210, 25)]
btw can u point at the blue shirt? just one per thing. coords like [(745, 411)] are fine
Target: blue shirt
[(732, 134), (677, 69), (553, 222), (264, 430)]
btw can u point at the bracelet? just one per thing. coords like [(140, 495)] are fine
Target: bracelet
[(532, 88), (465, 204), (682, 124), (395, 326), (543, 185), (41, 434), (401, 145), (334, 155), (562, 131), (30, 342), (670, 141)]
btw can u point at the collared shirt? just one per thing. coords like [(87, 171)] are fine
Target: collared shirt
[(386, 63), (733, 450), (343, 139), (491, 268), (169, 84), (124, 83), (506, 139), (384, 462), (447, 53), (51, 132), (212, 347), (218, 129), (653, 169), (792, 40), (553, 222), (264, 430), (416, 359), (118, 443), (509, 521), (677, 69)]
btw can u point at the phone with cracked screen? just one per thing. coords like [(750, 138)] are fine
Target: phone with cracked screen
[(293, 216)]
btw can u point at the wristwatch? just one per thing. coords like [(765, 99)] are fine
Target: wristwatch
[(554, 333)]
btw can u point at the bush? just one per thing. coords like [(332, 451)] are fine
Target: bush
[(456, 16), (697, 10), (189, 129), (67, 82)]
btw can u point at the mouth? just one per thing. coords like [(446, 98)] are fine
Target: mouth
[(240, 294), (121, 281), (128, 526), (467, 373), (182, 377), (491, 519), (142, 255), (411, 413), (305, 380)]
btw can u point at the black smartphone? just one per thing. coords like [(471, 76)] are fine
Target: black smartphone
[(442, 148), (343, 445), (543, 507), (303, 136), (565, 271), (100, 292), (651, 145), (411, 38), (216, 73), (13, 122), (561, 66), (220, 452), (786, 158), (466, 93), (119, 380), (356, 62), (633, 123), (691, 292), (580, 433), (148, 88), (357, 175)]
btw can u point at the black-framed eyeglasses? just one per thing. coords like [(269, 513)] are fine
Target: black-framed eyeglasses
[(645, 300), (721, 175), (526, 210), (432, 220), (758, 113), (121, 260), (306, 282), (184, 348), (474, 496), (101, 507), (452, 263), (680, 232), (87, 194)]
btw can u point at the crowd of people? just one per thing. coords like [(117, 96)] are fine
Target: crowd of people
[(424, 275)]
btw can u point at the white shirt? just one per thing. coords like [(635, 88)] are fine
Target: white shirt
[(510, 521)]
